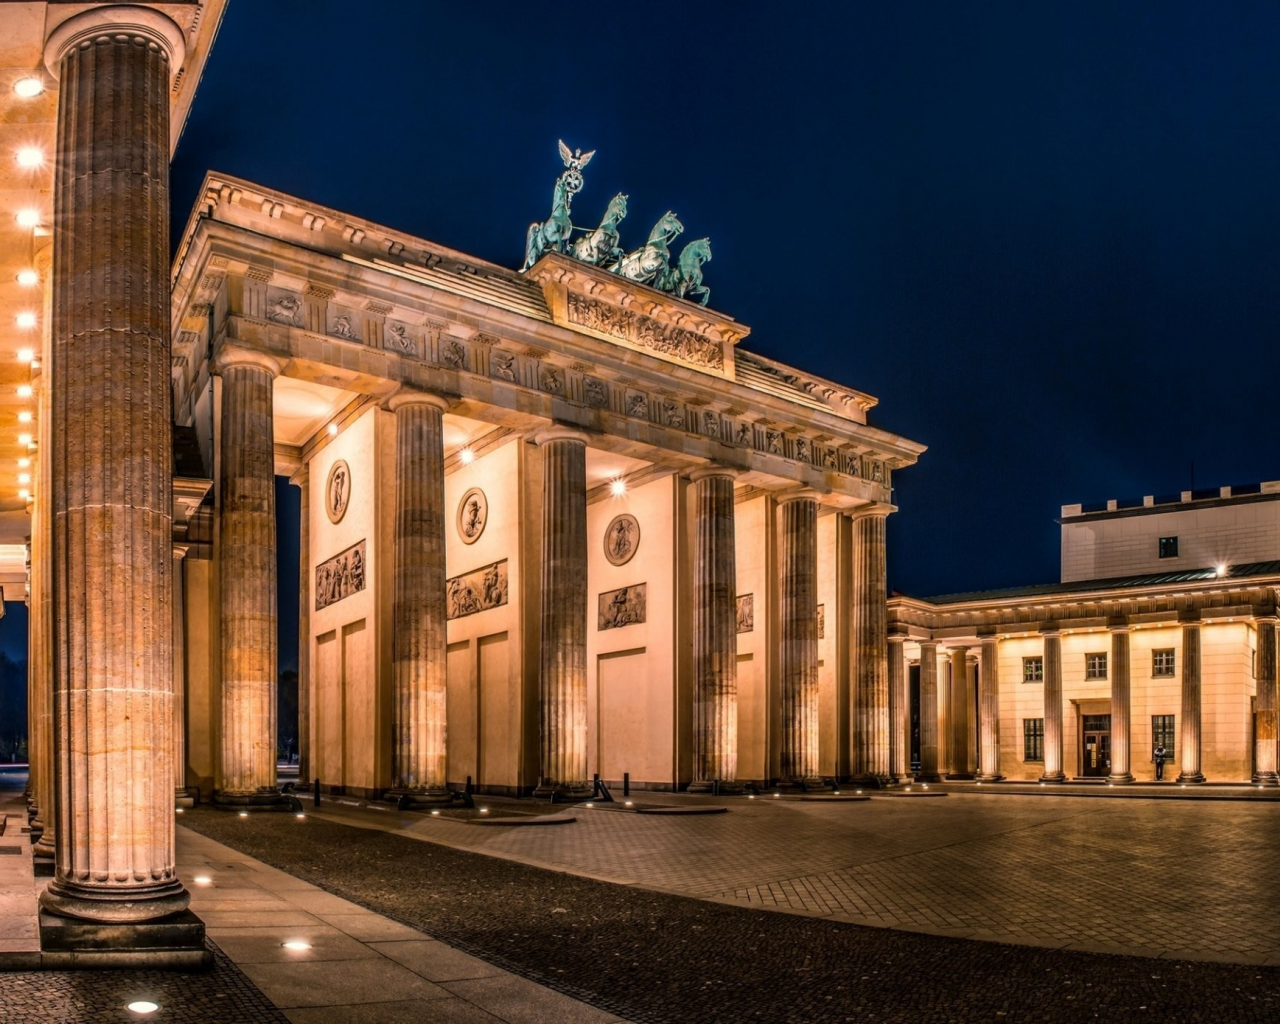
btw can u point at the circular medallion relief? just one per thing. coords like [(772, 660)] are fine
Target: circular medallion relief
[(337, 490), (473, 513), (621, 539)]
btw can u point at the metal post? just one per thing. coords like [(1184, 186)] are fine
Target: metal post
[(626, 783), (316, 791)]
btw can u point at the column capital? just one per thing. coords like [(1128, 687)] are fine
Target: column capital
[(229, 357), (180, 551), (712, 471), (988, 636), (301, 475), (404, 398), (1189, 617), (1050, 629), (1117, 624), (805, 494), (929, 643), (557, 432), (1266, 617), (878, 509), (897, 638), (145, 23)]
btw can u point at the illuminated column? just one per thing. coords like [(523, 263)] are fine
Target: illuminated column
[(1052, 706), (899, 712), (302, 479), (1189, 741), (799, 613), (959, 714), (247, 769), (928, 711), (1120, 723), (419, 636), (989, 710), (870, 646), (715, 636), (563, 679), (111, 473), (1264, 765), (179, 681)]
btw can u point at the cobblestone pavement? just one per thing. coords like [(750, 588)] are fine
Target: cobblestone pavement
[(648, 955), (1176, 879)]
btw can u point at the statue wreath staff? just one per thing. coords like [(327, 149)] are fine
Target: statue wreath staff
[(553, 233)]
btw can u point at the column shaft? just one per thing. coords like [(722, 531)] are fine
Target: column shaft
[(929, 712), (247, 772), (111, 476), (871, 648), (179, 680), (1264, 763), (959, 713), (1121, 728), (799, 610), (1189, 738), (899, 712), (1053, 708), (715, 639), (420, 638), (303, 479), (989, 710), (563, 681)]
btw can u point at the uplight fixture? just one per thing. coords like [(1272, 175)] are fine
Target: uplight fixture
[(333, 430), (24, 463), (24, 478), (27, 278), (30, 156), (26, 355), (466, 456), (24, 494), (618, 487), (25, 319), (484, 810), (24, 390), (28, 218), (24, 439), (589, 804), (202, 880), (297, 945), (24, 416), (435, 814), (244, 814), (143, 1006), (1222, 570), (300, 817), (28, 87)]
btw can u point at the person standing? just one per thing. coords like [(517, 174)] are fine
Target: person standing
[(1159, 759)]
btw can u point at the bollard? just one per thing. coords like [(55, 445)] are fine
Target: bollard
[(715, 787), (316, 792), (626, 783), (595, 785), (468, 791)]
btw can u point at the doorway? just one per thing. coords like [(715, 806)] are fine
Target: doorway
[(1095, 735)]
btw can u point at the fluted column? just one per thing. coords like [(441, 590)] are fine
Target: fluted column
[(181, 798), (959, 713), (1052, 706), (871, 647), (419, 638), (247, 769), (303, 480), (899, 711), (563, 680), (715, 638), (989, 710), (1120, 718), (112, 468), (1189, 739), (1264, 764), (799, 611), (928, 711)]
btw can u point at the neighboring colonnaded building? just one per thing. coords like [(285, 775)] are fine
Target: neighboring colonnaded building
[(554, 524), (1162, 631)]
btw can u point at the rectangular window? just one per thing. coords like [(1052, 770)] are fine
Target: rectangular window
[(1033, 670), (1033, 739), (1168, 547), (1162, 663), (1162, 733), (1095, 666)]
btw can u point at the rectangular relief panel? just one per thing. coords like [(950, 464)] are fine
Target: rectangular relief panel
[(746, 613), (622, 607), (478, 590), (340, 576), (822, 622)]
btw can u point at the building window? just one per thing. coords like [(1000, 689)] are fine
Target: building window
[(1162, 734), (1095, 666), (1168, 547), (1162, 663), (1033, 739), (1033, 670)]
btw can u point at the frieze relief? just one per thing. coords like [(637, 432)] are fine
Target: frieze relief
[(622, 607), (645, 332), (340, 576), (284, 308), (343, 323), (402, 338), (822, 622), (477, 590)]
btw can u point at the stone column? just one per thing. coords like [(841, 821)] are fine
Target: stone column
[(563, 679), (989, 710), (1189, 740), (799, 612), (1264, 764), (899, 712), (959, 714), (929, 711), (181, 798), (40, 757), (715, 637), (302, 479), (1052, 706), (419, 635), (871, 647), (1120, 723), (247, 769), (111, 473)]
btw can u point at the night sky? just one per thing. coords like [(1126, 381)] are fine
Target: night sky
[(1045, 236)]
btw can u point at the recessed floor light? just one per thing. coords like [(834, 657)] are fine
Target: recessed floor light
[(297, 945), (143, 1006), (27, 278), (202, 880), (25, 320), (28, 87), (30, 156), (28, 218)]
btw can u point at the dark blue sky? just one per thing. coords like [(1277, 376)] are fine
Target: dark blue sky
[(1046, 236)]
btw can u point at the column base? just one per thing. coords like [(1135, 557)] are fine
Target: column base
[(566, 792), (1190, 778), (43, 865), (928, 777), (181, 798), (730, 787), (1122, 779), (408, 799), (805, 784), (988, 777), (113, 904), (175, 942), (870, 781), (1266, 779), (256, 802), (959, 776), (1054, 777)]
